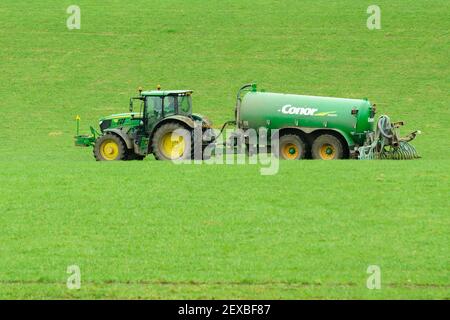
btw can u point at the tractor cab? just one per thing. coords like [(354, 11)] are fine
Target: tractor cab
[(157, 104), (160, 104)]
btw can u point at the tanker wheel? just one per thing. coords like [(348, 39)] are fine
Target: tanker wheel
[(292, 147), (109, 147), (327, 147), (172, 141)]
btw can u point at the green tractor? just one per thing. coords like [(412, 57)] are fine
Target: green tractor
[(163, 126)]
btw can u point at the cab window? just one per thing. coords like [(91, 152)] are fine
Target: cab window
[(170, 105), (184, 103), (154, 107)]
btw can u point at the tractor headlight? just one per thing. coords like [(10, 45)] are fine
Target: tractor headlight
[(104, 124)]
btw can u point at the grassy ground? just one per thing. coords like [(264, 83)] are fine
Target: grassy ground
[(156, 230)]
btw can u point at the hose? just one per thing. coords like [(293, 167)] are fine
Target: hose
[(384, 123), (385, 143), (221, 130)]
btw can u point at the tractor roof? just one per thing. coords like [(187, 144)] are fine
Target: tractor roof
[(163, 93)]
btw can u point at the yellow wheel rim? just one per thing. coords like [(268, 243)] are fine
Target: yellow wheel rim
[(109, 150), (327, 152), (290, 151), (172, 145)]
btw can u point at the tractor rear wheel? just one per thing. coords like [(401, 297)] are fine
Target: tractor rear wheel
[(292, 147), (172, 141), (109, 147), (327, 147)]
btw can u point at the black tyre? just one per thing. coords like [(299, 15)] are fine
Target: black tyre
[(109, 147), (172, 141), (292, 147), (327, 147)]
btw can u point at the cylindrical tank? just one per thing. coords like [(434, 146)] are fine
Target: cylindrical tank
[(351, 117)]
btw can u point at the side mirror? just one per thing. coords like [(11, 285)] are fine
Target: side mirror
[(131, 105)]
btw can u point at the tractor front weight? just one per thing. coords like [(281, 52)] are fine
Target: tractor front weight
[(84, 140)]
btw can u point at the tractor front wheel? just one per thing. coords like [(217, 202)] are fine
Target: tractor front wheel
[(109, 147)]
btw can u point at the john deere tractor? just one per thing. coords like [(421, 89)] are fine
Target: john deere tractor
[(163, 126)]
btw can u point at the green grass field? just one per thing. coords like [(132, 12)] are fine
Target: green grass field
[(156, 230)]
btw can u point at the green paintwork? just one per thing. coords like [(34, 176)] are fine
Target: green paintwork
[(128, 120), (308, 113)]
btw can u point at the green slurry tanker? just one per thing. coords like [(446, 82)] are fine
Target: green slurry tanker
[(299, 126)]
